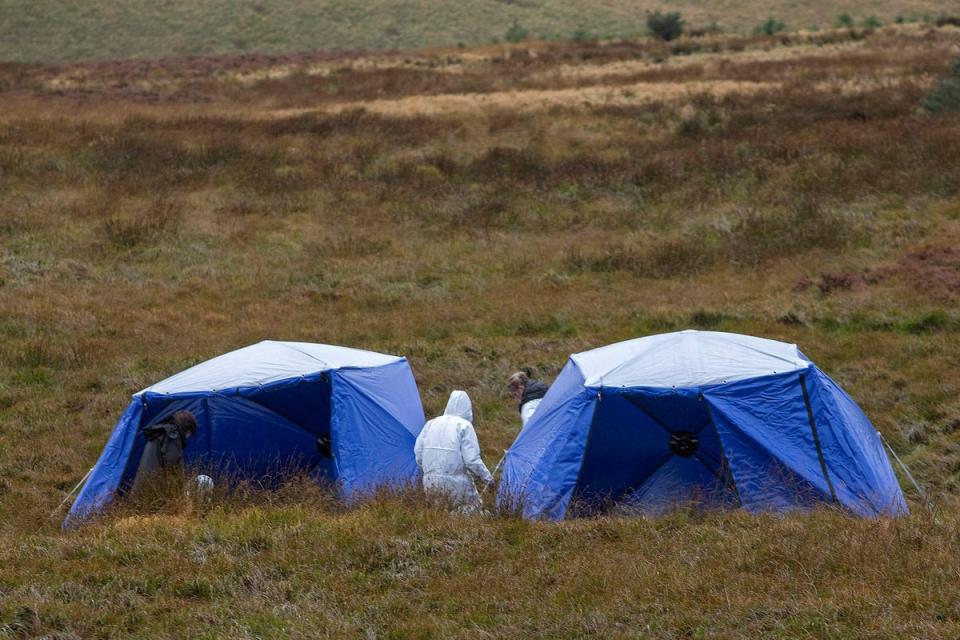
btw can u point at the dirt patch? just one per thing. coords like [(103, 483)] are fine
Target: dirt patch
[(932, 271)]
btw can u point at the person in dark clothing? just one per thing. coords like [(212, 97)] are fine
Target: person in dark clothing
[(527, 393), (163, 452), (324, 471)]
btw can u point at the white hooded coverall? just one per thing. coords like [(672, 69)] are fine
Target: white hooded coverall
[(527, 409), (449, 454)]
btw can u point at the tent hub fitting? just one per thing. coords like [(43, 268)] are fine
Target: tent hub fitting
[(684, 443)]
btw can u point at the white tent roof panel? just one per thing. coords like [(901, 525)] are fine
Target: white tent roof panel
[(687, 359), (267, 362)]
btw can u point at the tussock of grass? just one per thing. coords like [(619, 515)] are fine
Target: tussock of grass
[(159, 220)]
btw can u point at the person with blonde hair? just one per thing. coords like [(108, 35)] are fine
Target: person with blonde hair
[(527, 393)]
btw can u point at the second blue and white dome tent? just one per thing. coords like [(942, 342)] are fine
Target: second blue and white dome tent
[(720, 418)]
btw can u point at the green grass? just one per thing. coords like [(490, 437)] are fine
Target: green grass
[(51, 31)]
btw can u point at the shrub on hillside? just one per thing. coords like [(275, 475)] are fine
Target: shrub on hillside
[(771, 26), (845, 21), (666, 26), (516, 33), (946, 95)]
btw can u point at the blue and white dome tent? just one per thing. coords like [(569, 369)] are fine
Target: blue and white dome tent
[(721, 418), (267, 406)]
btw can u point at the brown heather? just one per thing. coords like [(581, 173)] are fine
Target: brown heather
[(477, 211)]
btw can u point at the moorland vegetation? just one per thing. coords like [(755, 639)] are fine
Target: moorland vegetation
[(477, 210)]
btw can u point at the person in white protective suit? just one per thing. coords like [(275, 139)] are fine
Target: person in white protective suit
[(449, 454)]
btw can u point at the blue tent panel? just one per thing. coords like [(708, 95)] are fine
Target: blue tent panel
[(677, 410), (541, 469), (303, 401), (673, 409), (765, 430), (532, 441), (858, 465), (679, 481), (241, 439), (625, 447), (558, 471), (629, 457), (375, 424), (105, 475)]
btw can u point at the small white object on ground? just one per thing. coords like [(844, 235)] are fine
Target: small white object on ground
[(204, 483)]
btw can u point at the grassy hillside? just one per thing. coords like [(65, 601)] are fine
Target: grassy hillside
[(477, 211), (48, 30)]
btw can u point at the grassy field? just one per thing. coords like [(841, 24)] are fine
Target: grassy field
[(477, 210), (52, 31)]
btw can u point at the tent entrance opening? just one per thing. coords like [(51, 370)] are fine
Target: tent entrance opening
[(651, 451)]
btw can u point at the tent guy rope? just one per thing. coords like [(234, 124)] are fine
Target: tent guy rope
[(72, 491), (906, 471)]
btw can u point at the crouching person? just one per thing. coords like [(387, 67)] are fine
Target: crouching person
[(163, 453), (448, 453)]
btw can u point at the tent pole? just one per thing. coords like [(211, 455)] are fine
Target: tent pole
[(72, 491), (816, 438)]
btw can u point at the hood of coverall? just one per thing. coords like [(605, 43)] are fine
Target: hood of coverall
[(459, 405)]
